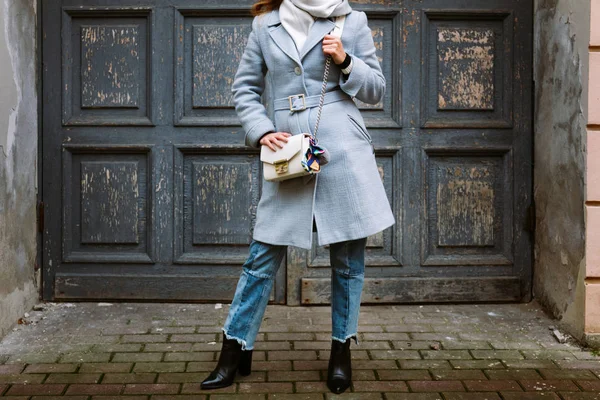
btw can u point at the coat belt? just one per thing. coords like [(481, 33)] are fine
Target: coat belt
[(299, 102)]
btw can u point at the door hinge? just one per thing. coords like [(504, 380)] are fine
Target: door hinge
[(530, 218), (40, 216)]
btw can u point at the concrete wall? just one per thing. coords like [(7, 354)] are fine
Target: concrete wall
[(19, 284), (561, 33)]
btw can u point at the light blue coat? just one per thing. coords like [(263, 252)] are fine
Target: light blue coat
[(347, 197)]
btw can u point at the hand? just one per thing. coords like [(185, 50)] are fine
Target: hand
[(275, 138), (332, 45)]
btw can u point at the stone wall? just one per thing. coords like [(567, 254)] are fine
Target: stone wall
[(561, 33), (19, 283)]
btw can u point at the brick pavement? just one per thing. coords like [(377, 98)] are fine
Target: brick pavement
[(162, 351)]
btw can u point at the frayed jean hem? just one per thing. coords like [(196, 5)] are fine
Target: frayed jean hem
[(240, 341), (352, 335)]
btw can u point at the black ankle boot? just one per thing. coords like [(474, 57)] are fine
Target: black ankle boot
[(339, 372), (231, 359), (245, 366)]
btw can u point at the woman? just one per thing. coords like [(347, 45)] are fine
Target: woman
[(345, 202)]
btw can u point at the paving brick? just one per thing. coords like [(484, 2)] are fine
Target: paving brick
[(183, 347), (471, 396), (372, 364), (293, 376), (244, 396), (413, 396), (272, 365), (529, 396), (517, 345), (129, 378), (446, 354), (279, 346), (105, 367), (15, 368), (476, 364), (424, 364), (578, 364), (580, 396), (356, 354), (73, 378), (465, 345), (512, 374), (436, 386), (412, 344), (190, 356), (534, 364), (292, 355), (194, 388), (179, 377), (117, 347), (290, 336), (402, 374), (409, 328), (548, 385), (198, 337), (137, 357), (567, 374), (49, 368), (311, 387), (548, 354), (354, 396), (91, 389), (144, 338), (160, 367), (379, 386), (33, 389), (496, 354), (295, 396), (85, 357), (83, 397), (456, 374), (23, 378), (151, 388), (266, 387), (395, 354), (589, 386), (480, 385), (32, 358), (385, 336)]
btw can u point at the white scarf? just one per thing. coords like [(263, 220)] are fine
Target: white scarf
[(298, 16)]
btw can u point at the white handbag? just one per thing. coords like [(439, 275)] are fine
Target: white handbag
[(286, 163)]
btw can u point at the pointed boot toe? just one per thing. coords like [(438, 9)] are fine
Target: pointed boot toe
[(227, 366), (339, 370), (338, 384)]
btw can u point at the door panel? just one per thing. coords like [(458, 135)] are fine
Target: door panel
[(457, 163)]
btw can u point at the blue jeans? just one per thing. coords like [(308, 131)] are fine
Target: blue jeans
[(256, 282)]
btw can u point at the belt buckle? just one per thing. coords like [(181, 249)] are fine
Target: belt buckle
[(292, 99)]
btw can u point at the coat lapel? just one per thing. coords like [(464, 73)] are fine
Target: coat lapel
[(280, 36), (319, 29)]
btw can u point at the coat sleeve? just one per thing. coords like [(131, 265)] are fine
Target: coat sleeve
[(247, 88), (366, 81)]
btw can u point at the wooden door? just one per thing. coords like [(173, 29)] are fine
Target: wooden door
[(453, 140), (149, 191)]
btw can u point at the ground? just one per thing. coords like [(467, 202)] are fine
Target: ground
[(164, 350)]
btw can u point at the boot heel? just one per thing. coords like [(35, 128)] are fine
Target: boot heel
[(245, 367)]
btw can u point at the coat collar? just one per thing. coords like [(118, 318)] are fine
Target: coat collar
[(320, 28)]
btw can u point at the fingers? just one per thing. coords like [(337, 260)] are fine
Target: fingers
[(275, 139)]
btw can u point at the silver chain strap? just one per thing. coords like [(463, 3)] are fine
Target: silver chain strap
[(322, 99)]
